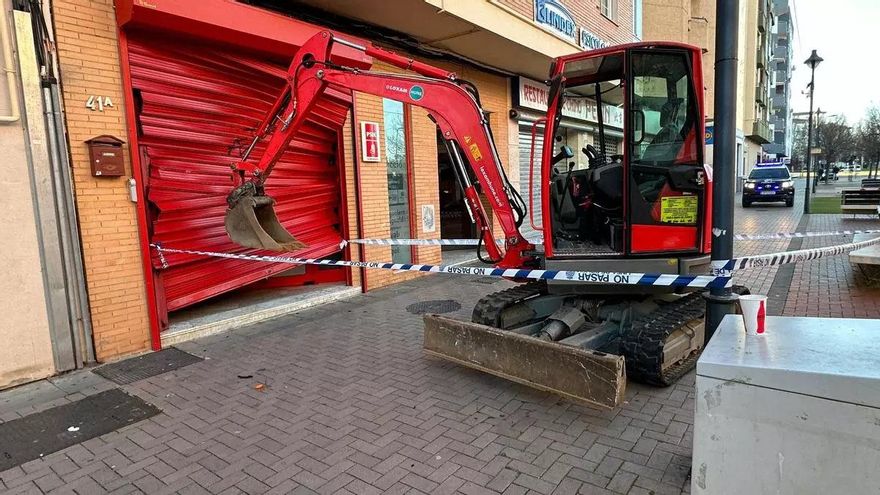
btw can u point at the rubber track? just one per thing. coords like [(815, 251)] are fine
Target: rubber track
[(642, 346), (488, 309)]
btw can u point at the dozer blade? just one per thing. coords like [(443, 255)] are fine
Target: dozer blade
[(584, 376), (252, 223)]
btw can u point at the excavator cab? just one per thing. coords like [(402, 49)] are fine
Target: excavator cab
[(637, 184)]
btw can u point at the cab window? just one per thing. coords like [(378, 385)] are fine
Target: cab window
[(663, 110)]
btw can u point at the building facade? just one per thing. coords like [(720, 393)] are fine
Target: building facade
[(686, 21), (781, 66), (693, 21), (45, 327), (179, 86), (753, 102)]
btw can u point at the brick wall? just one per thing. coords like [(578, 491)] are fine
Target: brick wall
[(89, 58), (351, 196), (588, 14), (422, 151)]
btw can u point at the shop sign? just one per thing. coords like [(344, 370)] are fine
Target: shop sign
[(589, 41), (534, 95), (370, 142), (555, 17), (710, 134)]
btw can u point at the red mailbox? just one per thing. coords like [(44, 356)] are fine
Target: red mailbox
[(105, 156)]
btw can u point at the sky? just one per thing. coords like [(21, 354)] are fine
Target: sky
[(846, 33)]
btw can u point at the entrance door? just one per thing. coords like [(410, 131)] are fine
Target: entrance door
[(666, 181), (533, 197), (455, 223)]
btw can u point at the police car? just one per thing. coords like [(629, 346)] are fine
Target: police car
[(768, 182)]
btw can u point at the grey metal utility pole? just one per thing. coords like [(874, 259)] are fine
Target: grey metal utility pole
[(813, 61), (721, 301)]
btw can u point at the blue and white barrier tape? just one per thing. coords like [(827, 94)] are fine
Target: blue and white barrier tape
[(423, 242), (764, 260), (800, 235), (473, 242), (615, 278), (721, 270)]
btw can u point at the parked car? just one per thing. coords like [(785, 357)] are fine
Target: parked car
[(768, 184)]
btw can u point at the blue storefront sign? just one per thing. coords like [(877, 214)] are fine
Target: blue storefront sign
[(589, 41), (555, 17), (710, 134)]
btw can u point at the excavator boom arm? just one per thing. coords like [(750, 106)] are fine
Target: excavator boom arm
[(455, 110)]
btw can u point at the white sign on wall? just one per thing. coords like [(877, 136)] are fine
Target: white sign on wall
[(534, 95), (429, 224)]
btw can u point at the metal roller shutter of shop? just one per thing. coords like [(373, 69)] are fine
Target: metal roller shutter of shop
[(194, 102), (611, 144), (525, 150)]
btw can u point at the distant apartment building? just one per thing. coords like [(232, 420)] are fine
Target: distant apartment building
[(753, 102), (781, 116)]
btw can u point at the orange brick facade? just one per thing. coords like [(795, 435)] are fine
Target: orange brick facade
[(423, 168), (89, 57)]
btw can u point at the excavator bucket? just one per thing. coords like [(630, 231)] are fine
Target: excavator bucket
[(584, 376), (251, 222)]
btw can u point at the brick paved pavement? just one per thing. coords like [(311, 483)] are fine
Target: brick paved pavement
[(353, 406), (832, 286)]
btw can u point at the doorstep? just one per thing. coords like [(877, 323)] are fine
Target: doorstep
[(210, 319)]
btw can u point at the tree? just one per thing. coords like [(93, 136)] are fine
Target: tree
[(799, 145), (868, 139), (836, 139)]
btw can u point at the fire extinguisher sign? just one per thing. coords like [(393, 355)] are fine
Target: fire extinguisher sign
[(370, 142)]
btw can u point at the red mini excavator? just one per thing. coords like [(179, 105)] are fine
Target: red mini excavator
[(641, 207)]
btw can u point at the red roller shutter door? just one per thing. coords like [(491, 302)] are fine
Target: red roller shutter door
[(197, 105)]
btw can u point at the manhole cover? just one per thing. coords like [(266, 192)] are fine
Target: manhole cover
[(439, 306)]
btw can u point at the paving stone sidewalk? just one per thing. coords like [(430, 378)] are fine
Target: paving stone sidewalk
[(352, 405)]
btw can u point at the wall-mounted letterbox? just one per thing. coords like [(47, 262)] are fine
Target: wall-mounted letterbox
[(105, 155)]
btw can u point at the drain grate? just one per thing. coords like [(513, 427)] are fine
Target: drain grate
[(438, 306), (39, 434), (141, 367)]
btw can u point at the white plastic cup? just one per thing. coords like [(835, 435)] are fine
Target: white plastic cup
[(754, 311)]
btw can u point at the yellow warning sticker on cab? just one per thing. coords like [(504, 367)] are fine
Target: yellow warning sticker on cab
[(678, 209)]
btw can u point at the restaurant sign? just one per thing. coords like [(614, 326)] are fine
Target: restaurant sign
[(533, 95)]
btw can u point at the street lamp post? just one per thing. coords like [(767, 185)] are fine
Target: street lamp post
[(813, 61)]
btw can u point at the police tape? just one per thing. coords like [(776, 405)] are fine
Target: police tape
[(723, 267), (614, 278), (800, 235), (474, 242), (424, 242)]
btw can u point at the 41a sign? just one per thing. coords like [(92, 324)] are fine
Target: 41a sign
[(98, 103)]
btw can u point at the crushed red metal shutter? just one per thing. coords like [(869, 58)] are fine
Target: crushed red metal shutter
[(197, 108)]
